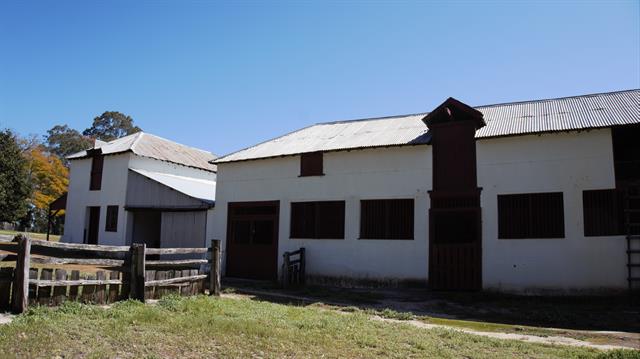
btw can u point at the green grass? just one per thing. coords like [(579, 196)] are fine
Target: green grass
[(42, 236), (209, 327)]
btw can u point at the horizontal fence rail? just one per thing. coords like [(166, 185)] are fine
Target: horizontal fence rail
[(117, 272)]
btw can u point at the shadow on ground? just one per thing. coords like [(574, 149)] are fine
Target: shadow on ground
[(600, 313)]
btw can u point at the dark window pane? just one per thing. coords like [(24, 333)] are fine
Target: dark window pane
[(603, 212), (455, 227), (303, 219), (386, 219), (330, 220), (97, 162), (241, 232), (626, 154), (531, 215), (263, 232), (317, 220), (111, 224), (547, 215)]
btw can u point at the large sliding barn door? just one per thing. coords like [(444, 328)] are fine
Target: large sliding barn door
[(252, 240), (455, 236)]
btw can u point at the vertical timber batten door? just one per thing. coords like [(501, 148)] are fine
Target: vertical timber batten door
[(252, 240), (455, 217)]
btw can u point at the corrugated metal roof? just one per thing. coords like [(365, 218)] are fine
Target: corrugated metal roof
[(509, 119), (193, 187), (148, 145)]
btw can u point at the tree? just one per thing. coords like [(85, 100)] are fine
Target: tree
[(64, 141), (14, 183), (110, 126), (49, 180)]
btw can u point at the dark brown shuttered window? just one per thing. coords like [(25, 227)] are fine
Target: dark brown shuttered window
[(603, 212), (320, 220), (386, 219), (112, 219), (96, 172), (311, 164), (530, 215)]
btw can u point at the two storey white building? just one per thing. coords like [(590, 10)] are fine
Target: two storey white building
[(513, 197), (140, 188)]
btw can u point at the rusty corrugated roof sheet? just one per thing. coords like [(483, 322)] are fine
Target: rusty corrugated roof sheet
[(508, 119), (148, 145)]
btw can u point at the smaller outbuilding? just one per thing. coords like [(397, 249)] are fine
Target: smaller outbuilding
[(140, 189)]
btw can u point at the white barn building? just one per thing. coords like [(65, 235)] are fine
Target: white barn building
[(513, 197), (140, 189)]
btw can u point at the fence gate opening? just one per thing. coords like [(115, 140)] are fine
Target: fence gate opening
[(455, 236)]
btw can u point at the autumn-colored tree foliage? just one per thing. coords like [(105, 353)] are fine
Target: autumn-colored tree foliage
[(49, 179)]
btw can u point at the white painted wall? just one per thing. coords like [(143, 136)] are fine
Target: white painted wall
[(112, 193), (567, 162), (368, 174)]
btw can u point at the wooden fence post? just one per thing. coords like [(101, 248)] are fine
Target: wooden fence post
[(137, 253), (21, 278), (214, 273)]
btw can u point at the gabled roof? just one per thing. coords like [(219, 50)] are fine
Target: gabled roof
[(204, 190), (452, 109), (152, 146), (508, 119)]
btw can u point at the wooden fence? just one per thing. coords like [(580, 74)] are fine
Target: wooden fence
[(49, 273)]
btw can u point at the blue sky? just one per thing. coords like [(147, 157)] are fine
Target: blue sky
[(225, 75)]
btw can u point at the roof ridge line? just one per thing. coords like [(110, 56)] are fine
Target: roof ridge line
[(135, 141)]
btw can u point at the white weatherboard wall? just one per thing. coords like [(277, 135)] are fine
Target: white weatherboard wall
[(112, 193), (562, 162), (403, 172)]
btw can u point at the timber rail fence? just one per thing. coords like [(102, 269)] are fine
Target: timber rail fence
[(49, 273)]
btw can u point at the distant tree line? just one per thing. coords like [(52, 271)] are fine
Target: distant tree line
[(34, 171)]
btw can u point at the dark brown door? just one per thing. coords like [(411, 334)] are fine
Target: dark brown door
[(147, 228), (94, 225), (252, 240), (455, 250)]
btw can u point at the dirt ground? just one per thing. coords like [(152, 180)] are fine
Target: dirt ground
[(612, 320)]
